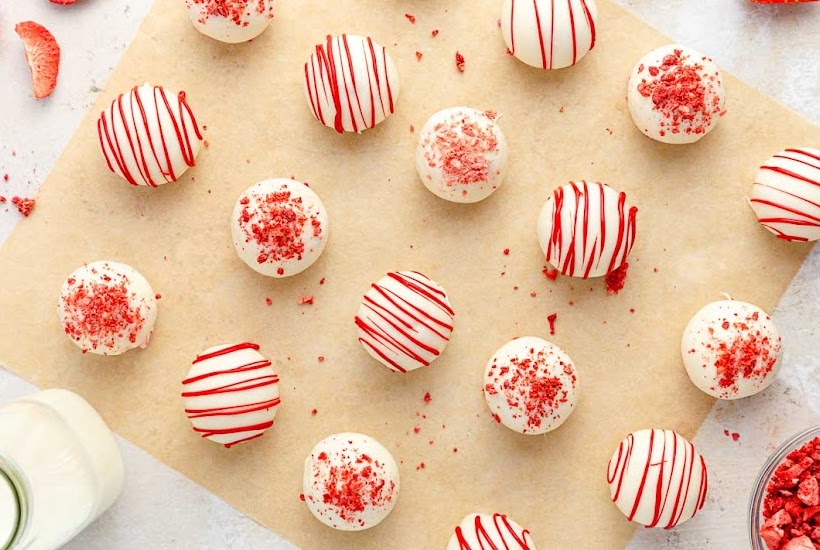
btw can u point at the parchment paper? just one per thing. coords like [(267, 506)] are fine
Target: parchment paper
[(696, 239)]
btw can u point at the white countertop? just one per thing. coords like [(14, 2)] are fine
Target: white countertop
[(774, 48)]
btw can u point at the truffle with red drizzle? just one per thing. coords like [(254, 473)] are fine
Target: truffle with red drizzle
[(731, 349), (107, 308), (675, 94), (405, 320), (549, 34), (786, 194), (149, 136), (279, 227), (351, 83), (657, 478), (531, 385), (586, 229), (231, 394), (350, 482), (230, 21), (490, 532)]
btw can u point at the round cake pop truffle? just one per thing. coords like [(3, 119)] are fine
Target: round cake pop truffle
[(107, 308), (482, 531), (530, 385), (230, 21), (351, 482), (549, 34), (462, 154), (351, 83), (231, 394), (279, 227), (586, 229), (731, 349), (405, 320), (786, 194), (675, 94), (149, 136), (657, 478)]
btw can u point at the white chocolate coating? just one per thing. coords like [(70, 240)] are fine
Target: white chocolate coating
[(351, 482), (235, 21), (657, 478), (107, 308), (279, 227), (462, 154), (586, 229), (786, 194), (549, 34), (483, 531), (351, 83), (731, 349), (530, 385), (149, 135), (405, 320), (675, 94), (231, 394)]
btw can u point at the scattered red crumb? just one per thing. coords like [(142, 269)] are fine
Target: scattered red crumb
[(533, 293), (431, 442), (412, 128), (206, 143), (2, 199), (459, 62), (560, 109), (551, 320), (497, 418), (321, 358), (24, 206), (632, 310), (655, 270), (550, 274), (420, 466), (455, 449), (5, 177), (157, 296), (506, 251), (434, 33), (322, 280), (410, 17), (302, 497), (313, 412), (419, 55), (268, 301), (609, 131), (615, 279), (416, 429), (427, 397), (306, 300), (571, 303)]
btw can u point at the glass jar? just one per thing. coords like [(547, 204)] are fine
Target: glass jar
[(755, 519), (60, 469)]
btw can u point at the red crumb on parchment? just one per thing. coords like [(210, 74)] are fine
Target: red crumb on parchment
[(459, 62), (434, 33), (551, 320), (410, 17), (306, 300), (616, 279), (158, 296), (419, 55), (268, 301), (420, 466), (321, 358), (427, 397), (313, 412), (550, 274), (506, 252)]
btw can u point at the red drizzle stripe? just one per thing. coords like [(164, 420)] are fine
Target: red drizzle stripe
[(501, 528)]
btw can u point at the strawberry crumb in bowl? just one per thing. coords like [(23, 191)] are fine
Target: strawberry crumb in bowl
[(784, 509)]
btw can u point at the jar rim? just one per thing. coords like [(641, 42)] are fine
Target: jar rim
[(17, 490)]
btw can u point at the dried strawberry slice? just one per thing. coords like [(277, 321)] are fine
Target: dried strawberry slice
[(42, 55)]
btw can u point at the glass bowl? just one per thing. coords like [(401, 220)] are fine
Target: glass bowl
[(755, 520)]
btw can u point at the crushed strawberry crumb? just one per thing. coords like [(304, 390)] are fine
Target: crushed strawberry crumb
[(551, 274), (410, 17), (459, 62), (306, 300), (551, 320), (419, 55), (24, 206), (616, 279), (427, 397), (434, 33)]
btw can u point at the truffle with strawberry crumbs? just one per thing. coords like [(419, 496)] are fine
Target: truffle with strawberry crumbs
[(279, 227), (42, 56), (351, 482), (462, 154), (107, 308), (531, 385), (731, 349), (230, 21)]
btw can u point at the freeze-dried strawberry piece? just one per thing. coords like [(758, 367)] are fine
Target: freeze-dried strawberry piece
[(807, 492), (800, 543), (42, 55)]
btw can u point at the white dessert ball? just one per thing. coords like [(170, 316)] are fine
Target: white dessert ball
[(549, 34), (149, 136), (786, 194), (231, 394), (462, 154), (731, 349), (675, 94), (482, 531), (405, 320), (351, 482), (351, 83), (279, 227), (107, 308), (657, 478), (586, 229), (230, 21), (531, 385)]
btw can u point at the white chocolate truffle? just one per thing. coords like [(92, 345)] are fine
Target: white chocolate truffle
[(279, 227), (405, 320), (549, 34), (675, 94), (231, 394), (107, 308), (149, 136), (530, 385), (657, 478), (731, 349), (786, 194), (462, 154), (482, 531), (351, 482), (230, 21), (351, 83), (586, 229)]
